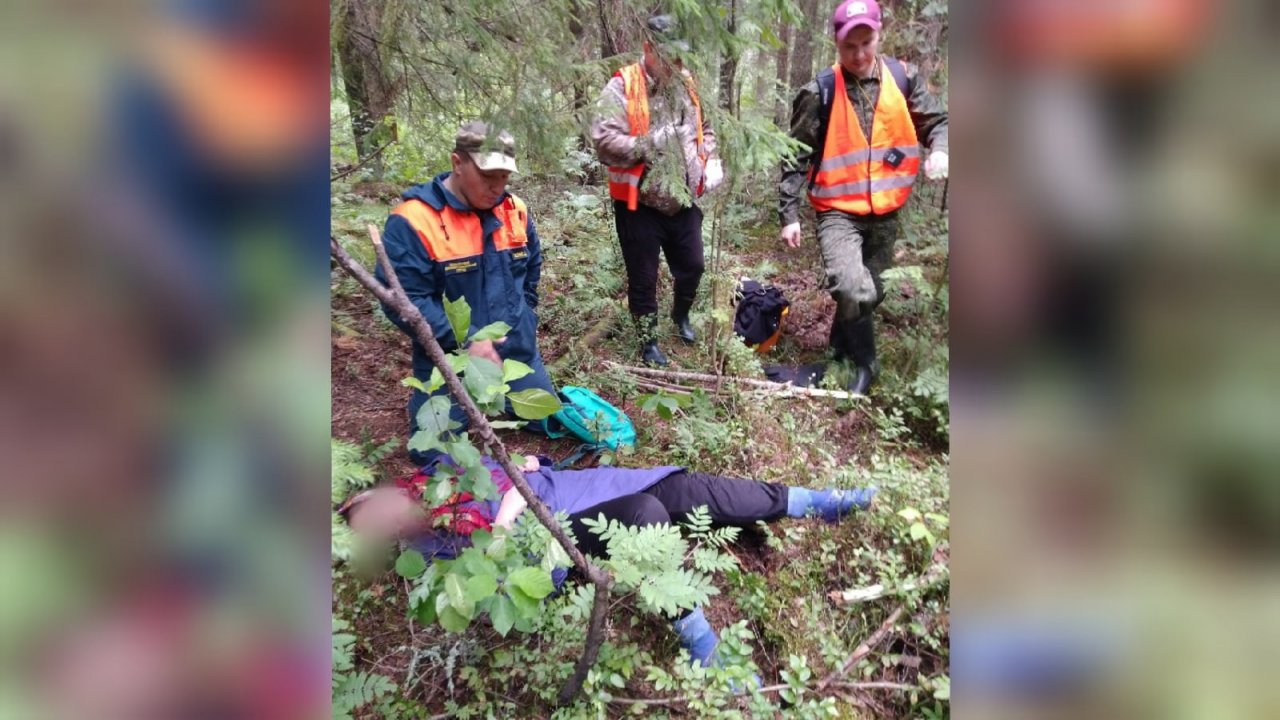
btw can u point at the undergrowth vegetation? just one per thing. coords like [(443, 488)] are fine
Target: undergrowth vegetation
[(487, 634), (769, 592)]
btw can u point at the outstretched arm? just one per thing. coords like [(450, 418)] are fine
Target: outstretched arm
[(513, 503)]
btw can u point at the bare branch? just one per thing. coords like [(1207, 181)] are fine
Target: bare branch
[(864, 649), (371, 157), (782, 389)]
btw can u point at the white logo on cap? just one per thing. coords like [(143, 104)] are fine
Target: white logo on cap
[(858, 8)]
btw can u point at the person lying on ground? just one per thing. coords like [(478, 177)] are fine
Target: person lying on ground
[(632, 496)]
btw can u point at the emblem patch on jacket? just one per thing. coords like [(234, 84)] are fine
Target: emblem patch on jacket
[(460, 266)]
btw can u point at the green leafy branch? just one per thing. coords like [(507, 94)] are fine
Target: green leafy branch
[(393, 295)]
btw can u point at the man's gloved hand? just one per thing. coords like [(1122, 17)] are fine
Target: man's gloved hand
[(935, 168), (713, 176), (791, 235)]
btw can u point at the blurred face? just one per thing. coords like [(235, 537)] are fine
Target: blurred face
[(857, 51), (387, 513), (659, 65), (481, 189)]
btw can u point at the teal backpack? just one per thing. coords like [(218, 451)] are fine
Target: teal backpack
[(590, 418)]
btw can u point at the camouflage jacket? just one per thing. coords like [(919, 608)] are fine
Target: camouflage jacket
[(928, 115), (669, 102)]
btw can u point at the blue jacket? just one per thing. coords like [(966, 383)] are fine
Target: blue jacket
[(498, 285)]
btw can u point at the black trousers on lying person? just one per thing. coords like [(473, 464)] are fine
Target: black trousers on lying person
[(644, 232), (729, 501)]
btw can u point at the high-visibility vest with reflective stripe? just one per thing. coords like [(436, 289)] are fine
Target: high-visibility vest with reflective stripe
[(853, 176), (450, 234), (624, 182)]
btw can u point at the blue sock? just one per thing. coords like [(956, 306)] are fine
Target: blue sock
[(697, 637), (798, 501), (700, 640), (830, 505)]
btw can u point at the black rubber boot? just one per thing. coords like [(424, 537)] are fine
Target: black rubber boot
[(680, 316), (862, 350), (649, 351)]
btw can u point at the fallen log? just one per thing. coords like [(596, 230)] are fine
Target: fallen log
[(772, 388)]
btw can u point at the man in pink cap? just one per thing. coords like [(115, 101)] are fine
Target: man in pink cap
[(863, 120)]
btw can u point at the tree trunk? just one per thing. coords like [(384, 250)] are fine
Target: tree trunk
[(608, 46), (370, 94), (729, 65), (782, 109), (802, 44), (578, 31)]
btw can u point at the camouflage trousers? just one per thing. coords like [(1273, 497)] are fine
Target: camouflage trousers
[(855, 252)]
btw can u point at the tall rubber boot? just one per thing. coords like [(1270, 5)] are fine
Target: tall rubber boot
[(838, 340), (862, 350), (649, 352), (680, 316)]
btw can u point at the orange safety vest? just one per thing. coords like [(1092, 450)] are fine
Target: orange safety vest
[(853, 176), (624, 182), (450, 234)]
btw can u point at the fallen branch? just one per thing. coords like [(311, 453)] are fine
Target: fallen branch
[(362, 163), (768, 689), (934, 576), (663, 387), (394, 296), (864, 649), (783, 389), (851, 686)]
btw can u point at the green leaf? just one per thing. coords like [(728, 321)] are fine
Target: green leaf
[(457, 594), (492, 331), (464, 453), (534, 582), (452, 620), (483, 379), (459, 361), (942, 685), (433, 421), (514, 370), (503, 614), (416, 384), (526, 606), (427, 612), (478, 481), (410, 564), (920, 532), (534, 403), (480, 587), (480, 540), (436, 381), (507, 424), (459, 314)]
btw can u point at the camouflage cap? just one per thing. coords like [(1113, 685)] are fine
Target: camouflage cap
[(490, 150), (665, 32)]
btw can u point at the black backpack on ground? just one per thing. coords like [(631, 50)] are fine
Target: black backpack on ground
[(758, 318)]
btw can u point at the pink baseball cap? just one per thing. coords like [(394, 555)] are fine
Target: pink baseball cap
[(852, 13)]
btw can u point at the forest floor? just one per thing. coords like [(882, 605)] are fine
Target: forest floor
[(897, 438)]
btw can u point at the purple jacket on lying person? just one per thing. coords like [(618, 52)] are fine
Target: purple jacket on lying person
[(632, 496)]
